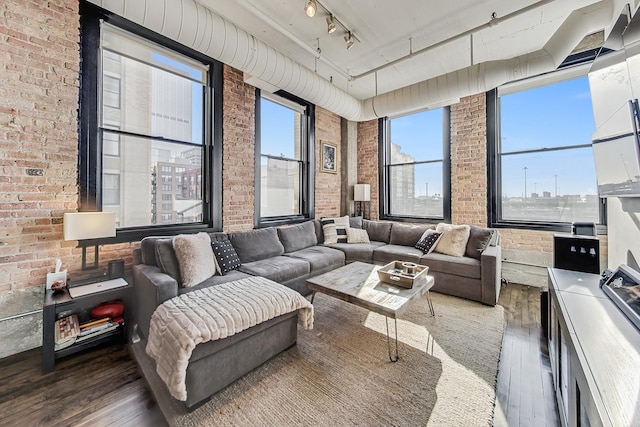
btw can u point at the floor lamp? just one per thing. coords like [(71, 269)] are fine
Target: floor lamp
[(362, 200)]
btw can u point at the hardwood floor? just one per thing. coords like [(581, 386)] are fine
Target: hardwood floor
[(525, 395), (103, 387)]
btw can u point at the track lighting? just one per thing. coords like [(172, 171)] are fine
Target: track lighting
[(331, 26), (349, 40), (310, 8)]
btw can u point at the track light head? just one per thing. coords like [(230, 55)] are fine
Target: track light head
[(331, 26), (310, 8), (349, 40)]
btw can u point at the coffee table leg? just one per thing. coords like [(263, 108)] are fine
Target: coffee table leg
[(392, 357), (433, 313), (313, 295)]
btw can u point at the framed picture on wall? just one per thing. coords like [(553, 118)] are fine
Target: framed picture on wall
[(329, 158)]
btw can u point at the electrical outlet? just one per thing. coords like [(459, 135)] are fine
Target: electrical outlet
[(35, 172)]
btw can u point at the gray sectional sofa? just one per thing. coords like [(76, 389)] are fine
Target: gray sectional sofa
[(290, 255)]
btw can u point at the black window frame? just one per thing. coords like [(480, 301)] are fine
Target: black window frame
[(494, 175), (89, 147), (384, 158), (307, 185)]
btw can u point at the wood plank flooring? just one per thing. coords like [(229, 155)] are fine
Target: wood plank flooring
[(103, 387), (525, 395)]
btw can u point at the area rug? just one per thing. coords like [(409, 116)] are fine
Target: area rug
[(340, 374)]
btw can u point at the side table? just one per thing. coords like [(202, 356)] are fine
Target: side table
[(61, 304)]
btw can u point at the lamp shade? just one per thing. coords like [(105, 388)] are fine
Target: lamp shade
[(361, 193), (89, 225)]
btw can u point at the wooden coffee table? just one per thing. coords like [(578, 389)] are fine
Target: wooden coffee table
[(358, 284)]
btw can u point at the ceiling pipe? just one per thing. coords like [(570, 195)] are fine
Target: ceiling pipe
[(192, 24), (493, 21)]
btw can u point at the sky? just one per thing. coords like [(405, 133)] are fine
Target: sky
[(276, 136)]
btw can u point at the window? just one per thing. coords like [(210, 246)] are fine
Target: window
[(111, 189), (111, 91), (110, 144), (543, 174), (284, 172), (158, 110), (416, 166)]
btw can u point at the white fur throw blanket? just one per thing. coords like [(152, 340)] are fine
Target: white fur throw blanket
[(181, 323)]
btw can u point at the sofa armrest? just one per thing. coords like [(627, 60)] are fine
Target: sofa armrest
[(152, 287), (491, 271)]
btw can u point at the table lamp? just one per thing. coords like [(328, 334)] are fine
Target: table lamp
[(361, 198), (89, 225)]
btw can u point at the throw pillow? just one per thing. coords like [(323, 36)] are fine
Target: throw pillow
[(226, 256), (479, 238), (428, 241), (454, 239), (357, 235), (195, 258), (335, 229)]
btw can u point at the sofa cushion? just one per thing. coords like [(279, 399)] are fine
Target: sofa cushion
[(388, 253), (279, 268), (226, 257), (355, 221), (357, 235), (428, 241), (358, 251), (454, 239), (379, 231), (298, 236), (479, 238), (407, 235), (320, 257), (458, 266), (195, 257), (335, 229), (166, 258), (258, 244)]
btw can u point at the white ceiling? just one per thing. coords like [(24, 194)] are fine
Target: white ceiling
[(384, 30)]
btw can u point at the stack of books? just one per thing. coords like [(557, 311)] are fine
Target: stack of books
[(69, 332)]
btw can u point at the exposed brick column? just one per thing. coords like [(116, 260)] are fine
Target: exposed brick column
[(368, 161), (39, 64), (469, 161), (327, 188), (238, 152)]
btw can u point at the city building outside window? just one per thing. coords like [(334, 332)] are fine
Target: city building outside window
[(153, 123), (544, 172), (416, 166), (284, 157)]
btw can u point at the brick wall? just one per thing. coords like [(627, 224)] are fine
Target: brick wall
[(238, 152), (469, 161), (327, 187), (368, 161), (39, 62)]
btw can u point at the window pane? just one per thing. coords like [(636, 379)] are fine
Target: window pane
[(416, 190), (547, 116), (147, 172), (279, 187), (111, 189), (279, 130), (417, 137), (110, 144), (555, 186), (111, 91), (153, 101)]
